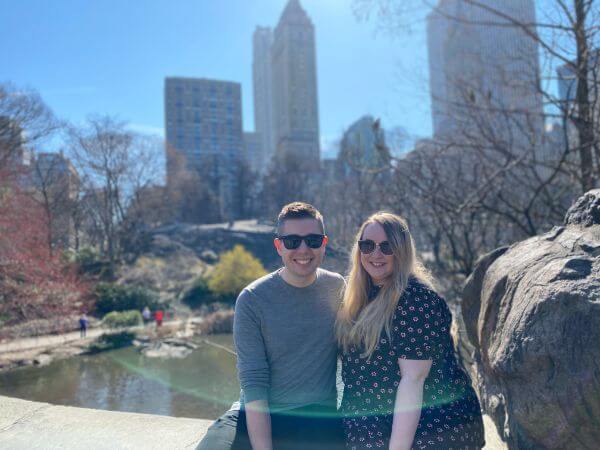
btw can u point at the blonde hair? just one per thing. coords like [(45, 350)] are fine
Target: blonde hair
[(360, 322)]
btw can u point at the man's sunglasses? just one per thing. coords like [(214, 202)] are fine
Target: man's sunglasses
[(367, 246), (293, 241)]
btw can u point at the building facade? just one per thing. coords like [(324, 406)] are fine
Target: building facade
[(263, 99), (294, 89), (253, 155), (483, 68), (203, 122)]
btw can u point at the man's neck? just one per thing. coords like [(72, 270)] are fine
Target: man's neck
[(299, 282)]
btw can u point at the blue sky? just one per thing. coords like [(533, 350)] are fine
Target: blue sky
[(111, 57)]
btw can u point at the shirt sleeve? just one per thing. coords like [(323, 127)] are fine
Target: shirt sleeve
[(252, 363), (420, 325)]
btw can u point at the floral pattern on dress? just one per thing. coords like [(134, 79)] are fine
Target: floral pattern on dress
[(450, 414)]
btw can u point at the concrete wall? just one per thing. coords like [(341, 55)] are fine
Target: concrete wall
[(32, 425)]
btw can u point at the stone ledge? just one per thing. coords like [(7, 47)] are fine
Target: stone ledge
[(32, 425), (26, 425)]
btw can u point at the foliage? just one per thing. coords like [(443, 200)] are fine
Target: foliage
[(234, 271), (89, 262), (112, 341), (34, 281), (123, 319), (199, 294), (114, 297), (217, 322)]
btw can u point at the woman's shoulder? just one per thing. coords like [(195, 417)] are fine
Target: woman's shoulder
[(418, 293)]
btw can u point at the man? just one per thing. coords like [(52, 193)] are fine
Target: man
[(286, 349)]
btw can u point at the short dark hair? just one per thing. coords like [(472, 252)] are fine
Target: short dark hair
[(299, 210)]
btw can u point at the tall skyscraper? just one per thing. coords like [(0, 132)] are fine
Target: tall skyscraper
[(479, 60), (203, 122), (263, 98), (294, 78)]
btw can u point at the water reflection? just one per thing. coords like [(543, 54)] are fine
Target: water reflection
[(202, 385)]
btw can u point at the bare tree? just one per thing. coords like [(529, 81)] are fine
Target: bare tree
[(55, 187), (24, 121), (566, 34), (113, 164), (192, 193)]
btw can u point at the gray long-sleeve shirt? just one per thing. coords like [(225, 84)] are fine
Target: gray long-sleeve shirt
[(285, 343)]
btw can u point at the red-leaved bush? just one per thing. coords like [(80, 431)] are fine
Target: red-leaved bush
[(34, 281)]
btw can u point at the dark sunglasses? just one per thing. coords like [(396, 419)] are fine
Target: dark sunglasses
[(293, 241), (367, 246)]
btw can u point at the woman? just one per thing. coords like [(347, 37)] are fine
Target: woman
[(403, 387)]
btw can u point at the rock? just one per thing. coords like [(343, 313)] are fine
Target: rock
[(42, 360), (532, 312), (585, 211), (169, 348), (209, 256), (180, 343)]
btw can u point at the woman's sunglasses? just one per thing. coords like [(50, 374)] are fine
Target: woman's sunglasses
[(293, 241), (367, 246)]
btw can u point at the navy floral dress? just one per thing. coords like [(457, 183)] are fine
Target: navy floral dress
[(450, 414)]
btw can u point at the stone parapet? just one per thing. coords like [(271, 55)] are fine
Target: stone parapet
[(32, 425)]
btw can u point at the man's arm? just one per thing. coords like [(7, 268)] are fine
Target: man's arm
[(258, 421), (253, 370)]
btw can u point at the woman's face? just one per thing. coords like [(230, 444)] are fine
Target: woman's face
[(378, 265)]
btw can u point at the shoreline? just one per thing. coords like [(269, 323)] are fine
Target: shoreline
[(42, 350)]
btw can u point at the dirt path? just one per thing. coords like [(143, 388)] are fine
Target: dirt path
[(41, 350), (52, 340)]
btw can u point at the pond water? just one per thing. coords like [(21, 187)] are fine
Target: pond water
[(202, 385)]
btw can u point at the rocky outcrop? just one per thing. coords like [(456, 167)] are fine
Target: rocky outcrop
[(173, 256), (532, 313), (207, 241)]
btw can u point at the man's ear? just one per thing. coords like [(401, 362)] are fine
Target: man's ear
[(325, 240), (277, 244)]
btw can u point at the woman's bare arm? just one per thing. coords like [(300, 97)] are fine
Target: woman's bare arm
[(409, 399)]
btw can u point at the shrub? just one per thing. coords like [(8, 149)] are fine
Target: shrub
[(89, 261), (114, 297), (199, 294), (112, 341), (122, 319), (234, 271), (217, 322)]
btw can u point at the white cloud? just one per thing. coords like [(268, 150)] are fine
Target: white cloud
[(147, 129)]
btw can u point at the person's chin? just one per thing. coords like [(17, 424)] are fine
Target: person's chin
[(304, 269), (378, 277)]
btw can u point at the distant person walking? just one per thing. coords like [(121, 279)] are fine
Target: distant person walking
[(83, 325), (146, 315), (158, 316)]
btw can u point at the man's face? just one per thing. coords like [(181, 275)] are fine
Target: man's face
[(301, 263)]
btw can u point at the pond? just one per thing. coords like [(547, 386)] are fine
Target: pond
[(202, 385)]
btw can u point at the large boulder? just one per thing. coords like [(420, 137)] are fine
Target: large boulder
[(532, 313)]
